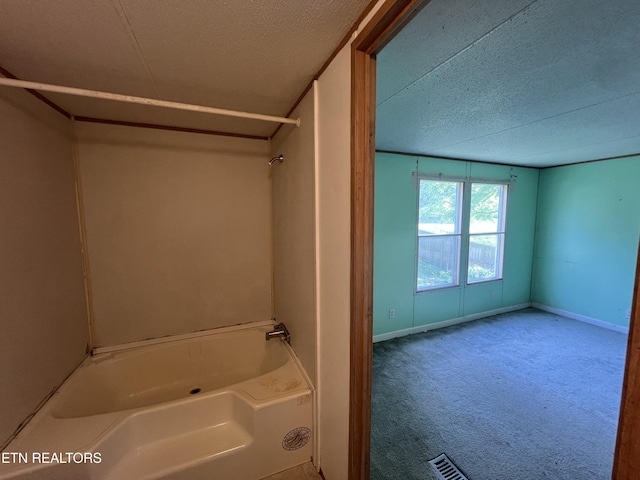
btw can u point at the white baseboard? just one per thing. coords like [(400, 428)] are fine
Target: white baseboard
[(582, 318), (447, 323)]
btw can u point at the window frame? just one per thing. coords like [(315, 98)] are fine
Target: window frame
[(459, 228), (501, 234), (463, 216)]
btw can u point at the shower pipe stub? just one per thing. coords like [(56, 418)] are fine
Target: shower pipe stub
[(45, 87)]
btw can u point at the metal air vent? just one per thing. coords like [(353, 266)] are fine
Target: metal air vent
[(445, 469)]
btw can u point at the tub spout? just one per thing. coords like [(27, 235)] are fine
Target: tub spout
[(279, 331)]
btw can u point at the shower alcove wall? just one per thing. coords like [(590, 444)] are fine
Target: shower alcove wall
[(181, 232)]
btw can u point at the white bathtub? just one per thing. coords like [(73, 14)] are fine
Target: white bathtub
[(227, 405)]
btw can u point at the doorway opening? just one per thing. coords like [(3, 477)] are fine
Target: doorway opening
[(388, 20)]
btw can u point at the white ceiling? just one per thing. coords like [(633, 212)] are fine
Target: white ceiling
[(536, 83), (248, 55)]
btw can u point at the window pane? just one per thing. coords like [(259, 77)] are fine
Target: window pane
[(439, 207), (485, 261), (437, 261), (486, 208)]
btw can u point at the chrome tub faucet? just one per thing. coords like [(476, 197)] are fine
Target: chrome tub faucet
[(279, 331)]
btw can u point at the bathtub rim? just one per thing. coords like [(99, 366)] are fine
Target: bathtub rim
[(183, 336), (132, 347)]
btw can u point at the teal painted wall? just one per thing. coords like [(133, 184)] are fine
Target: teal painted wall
[(394, 241), (395, 244), (587, 238)]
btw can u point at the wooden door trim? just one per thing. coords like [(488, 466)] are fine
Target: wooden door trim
[(626, 460), (389, 19)]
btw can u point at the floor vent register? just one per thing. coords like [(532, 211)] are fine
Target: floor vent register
[(445, 468)]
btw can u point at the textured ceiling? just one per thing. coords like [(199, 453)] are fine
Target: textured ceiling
[(248, 55), (522, 82)]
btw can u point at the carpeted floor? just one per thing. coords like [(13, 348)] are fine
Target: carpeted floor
[(526, 395)]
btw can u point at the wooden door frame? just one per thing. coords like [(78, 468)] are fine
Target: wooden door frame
[(387, 21), (626, 460)]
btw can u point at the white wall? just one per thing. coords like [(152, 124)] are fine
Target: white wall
[(334, 253), (178, 231), (43, 320), (294, 233)]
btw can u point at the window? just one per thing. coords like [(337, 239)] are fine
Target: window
[(439, 234), (486, 232), (450, 241)]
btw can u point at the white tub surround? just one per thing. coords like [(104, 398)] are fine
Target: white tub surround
[(227, 405)]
